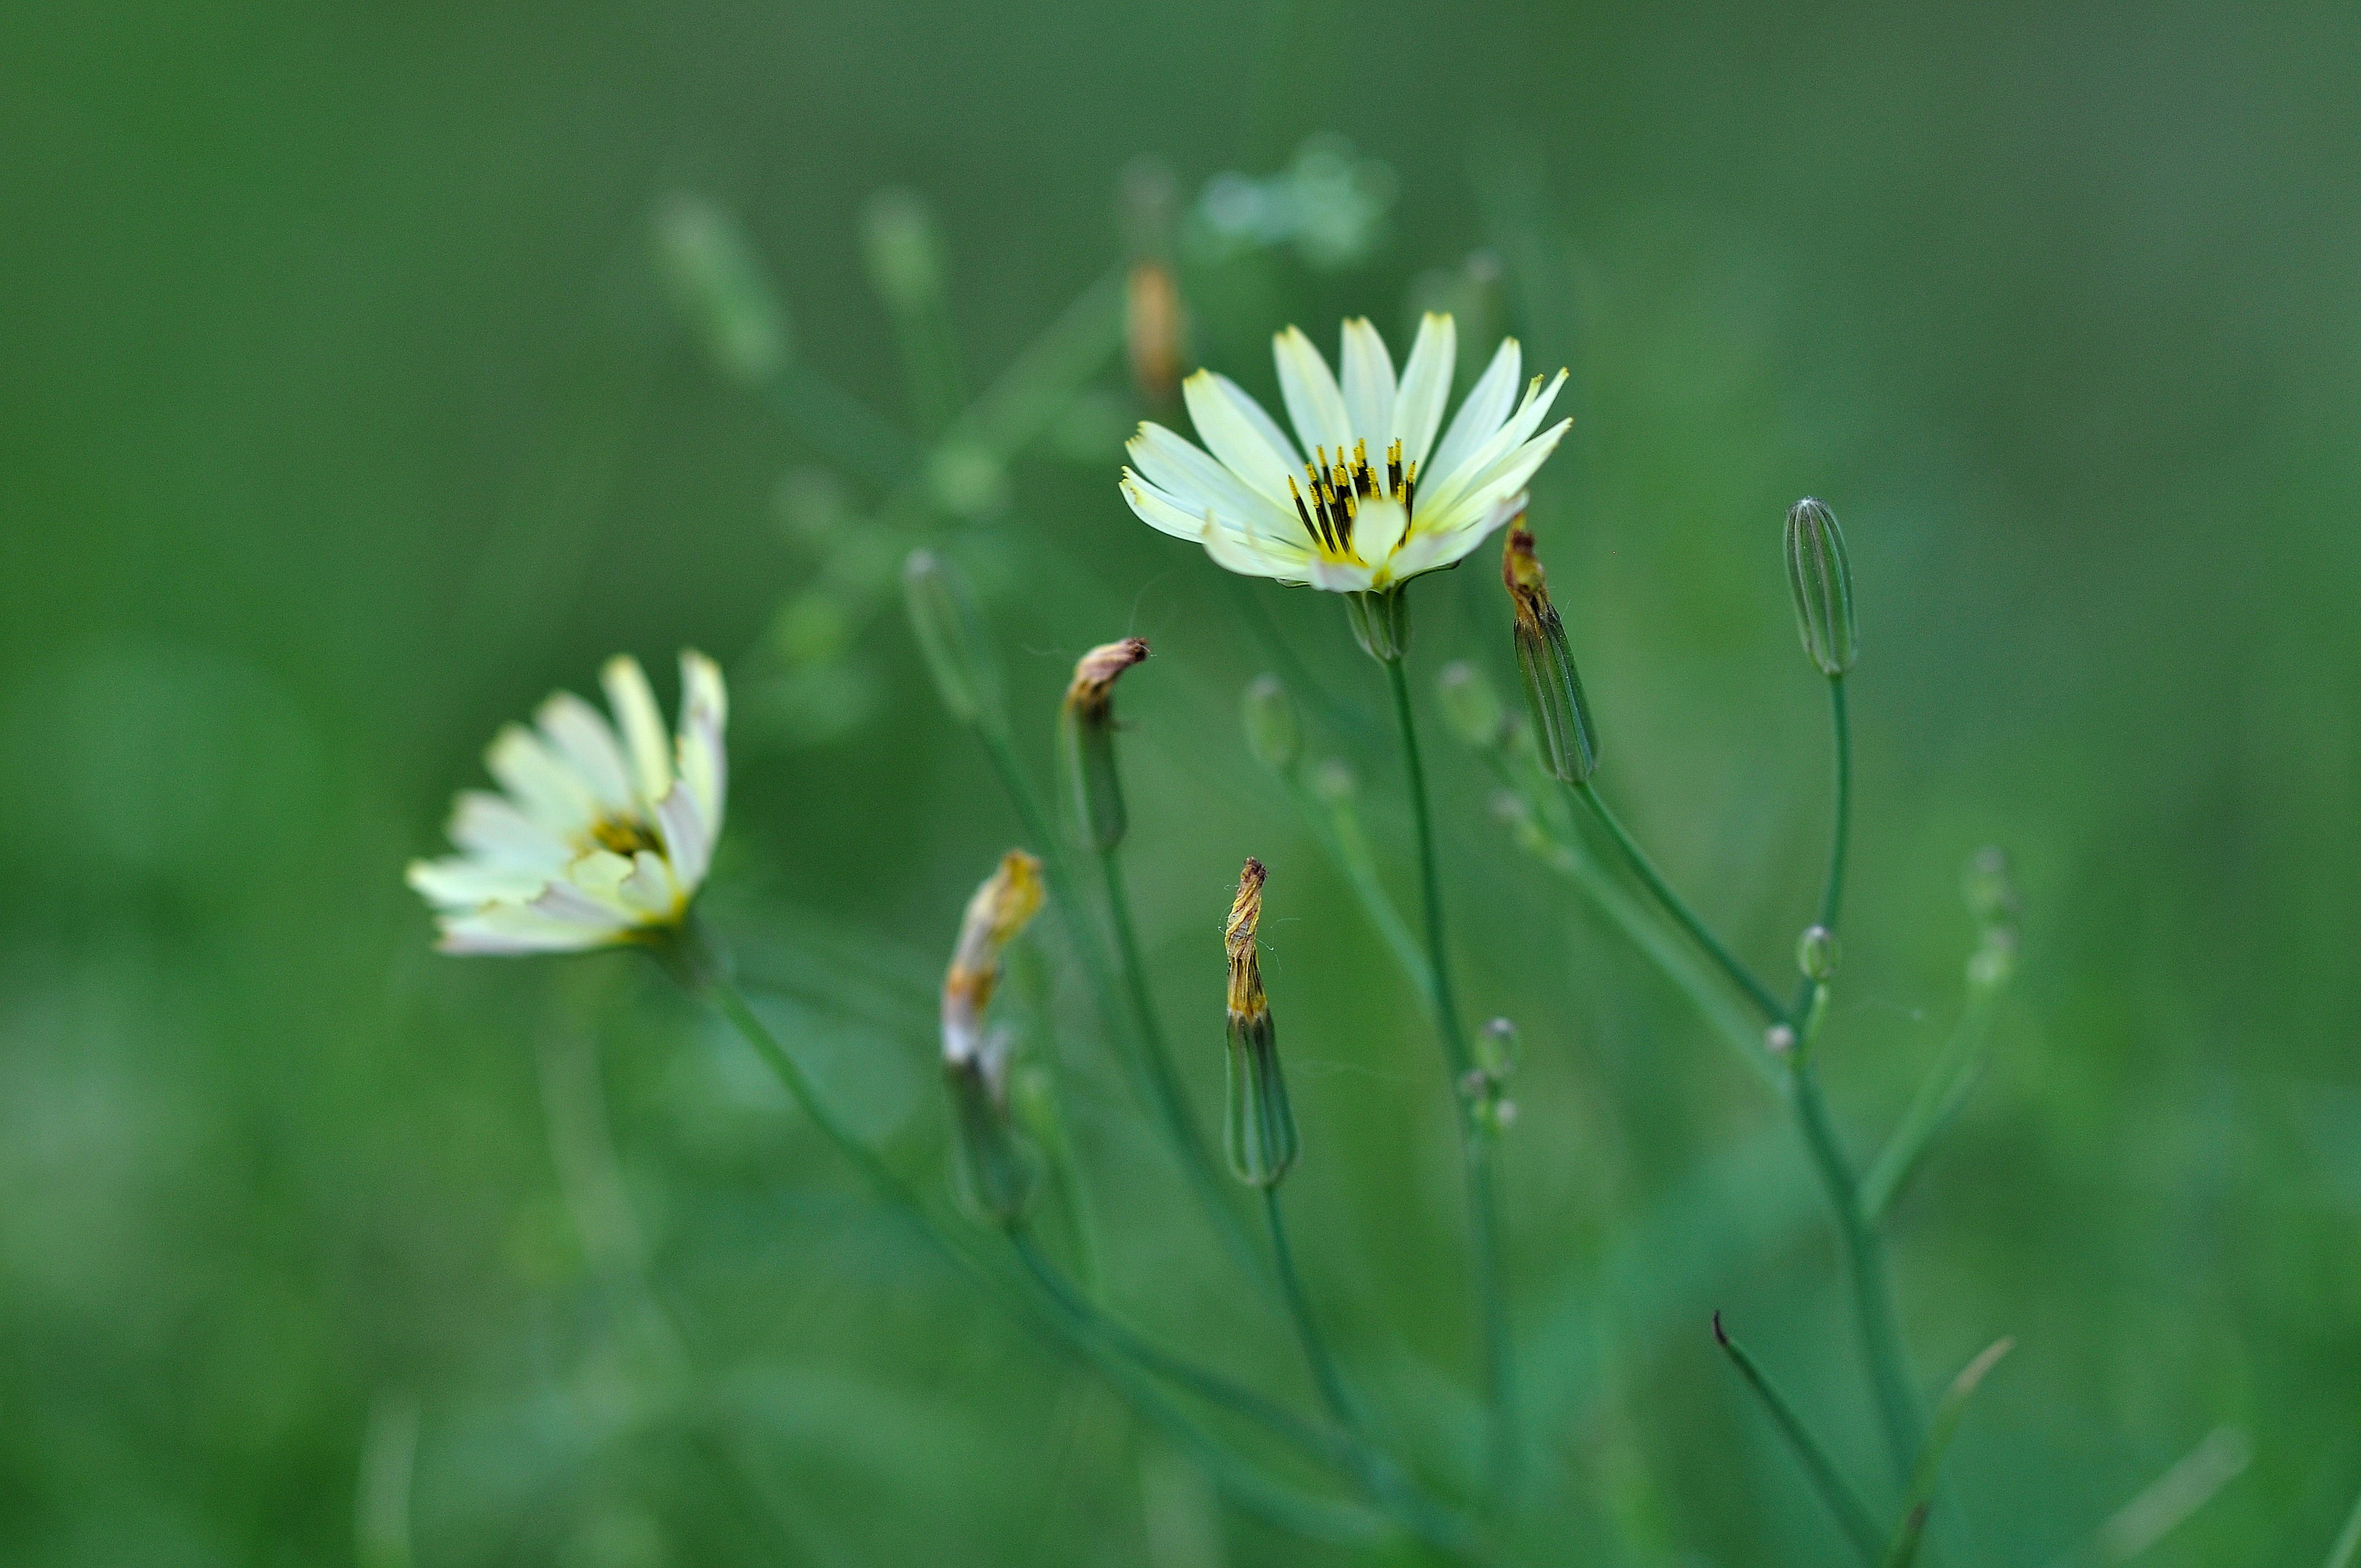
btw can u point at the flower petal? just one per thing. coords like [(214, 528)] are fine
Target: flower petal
[(1377, 528), (1507, 475), (490, 828), (1368, 386), (1425, 385), (1192, 480), (456, 882), (1235, 430), (1314, 402), (547, 789), (1488, 404), (514, 929), (650, 890), (642, 723), (703, 759), (1484, 466), (1431, 552), (1253, 555), (687, 837), (582, 737)]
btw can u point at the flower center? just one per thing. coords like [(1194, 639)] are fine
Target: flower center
[(624, 835), (1333, 494)]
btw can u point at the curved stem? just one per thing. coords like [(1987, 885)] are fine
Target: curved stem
[(1832, 888), (1163, 1080), (1150, 1066), (1673, 904), (1872, 1291), (1325, 1374), (1475, 1136)]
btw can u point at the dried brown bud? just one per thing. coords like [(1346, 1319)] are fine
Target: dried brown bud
[(1009, 898), (1095, 672), (1154, 332), (1086, 737), (1257, 1125), (1247, 999), (1562, 732)]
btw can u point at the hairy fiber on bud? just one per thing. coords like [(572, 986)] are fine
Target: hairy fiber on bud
[(994, 1167), (1086, 742), (1258, 1126), (1274, 735), (1820, 575), (949, 630), (1563, 736), (1470, 706)]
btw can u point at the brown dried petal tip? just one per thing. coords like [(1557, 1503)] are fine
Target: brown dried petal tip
[(1095, 674), (1247, 999)]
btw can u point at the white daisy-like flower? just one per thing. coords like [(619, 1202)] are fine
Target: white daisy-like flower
[(1321, 509), (600, 838)]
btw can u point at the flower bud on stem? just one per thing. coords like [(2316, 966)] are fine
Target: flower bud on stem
[(1819, 575), (950, 629), (1259, 1126), (1086, 742), (1561, 729), (996, 1169), (1380, 624)]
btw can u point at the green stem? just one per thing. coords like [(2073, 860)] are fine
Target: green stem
[(1843, 1505), (1325, 1374), (1164, 1082), (1338, 827), (2347, 1550), (1637, 859), (1075, 1319), (1873, 1292), (1150, 1067), (1832, 888), (1475, 1135)]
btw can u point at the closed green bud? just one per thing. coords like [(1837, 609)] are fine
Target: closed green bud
[(1563, 736), (1380, 624), (1821, 577), (1995, 959), (1086, 742), (1818, 954), (950, 634), (1258, 1126), (1495, 1048), (1334, 782), (1470, 706), (718, 282), (905, 255), (1273, 736)]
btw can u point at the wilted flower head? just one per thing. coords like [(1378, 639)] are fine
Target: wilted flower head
[(599, 836), (1009, 898), (1369, 498)]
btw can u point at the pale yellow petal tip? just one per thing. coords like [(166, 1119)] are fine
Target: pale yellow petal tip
[(1436, 318), (621, 667)]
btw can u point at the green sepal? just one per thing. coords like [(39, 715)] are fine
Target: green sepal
[(1258, 1125)]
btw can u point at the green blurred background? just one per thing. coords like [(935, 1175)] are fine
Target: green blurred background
[(346, 412)]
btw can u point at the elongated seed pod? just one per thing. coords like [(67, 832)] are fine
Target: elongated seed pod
[(1562, 730), (1258, 1125)]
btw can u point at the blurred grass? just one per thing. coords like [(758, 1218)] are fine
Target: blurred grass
[(346, 415)]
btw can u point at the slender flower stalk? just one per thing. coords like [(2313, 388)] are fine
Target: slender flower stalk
[(1477, 1137)]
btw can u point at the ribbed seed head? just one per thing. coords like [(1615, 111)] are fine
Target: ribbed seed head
[(1820, 575), (1563, 736), (1274, 735), (1470, 705), (950, 634), (1258, 1126), (1086, 736), (1380, 624)]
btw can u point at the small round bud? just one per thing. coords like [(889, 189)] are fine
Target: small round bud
[(905, 256), (1995, 959), (966, 480), (1334, 782), (950, 634), (1780, 1041), (1495, 1048), (1273, 734), (1985, 885), (1820, 575), (1470, 706), (718, 284), (1817, 955), (1504, 1112)]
